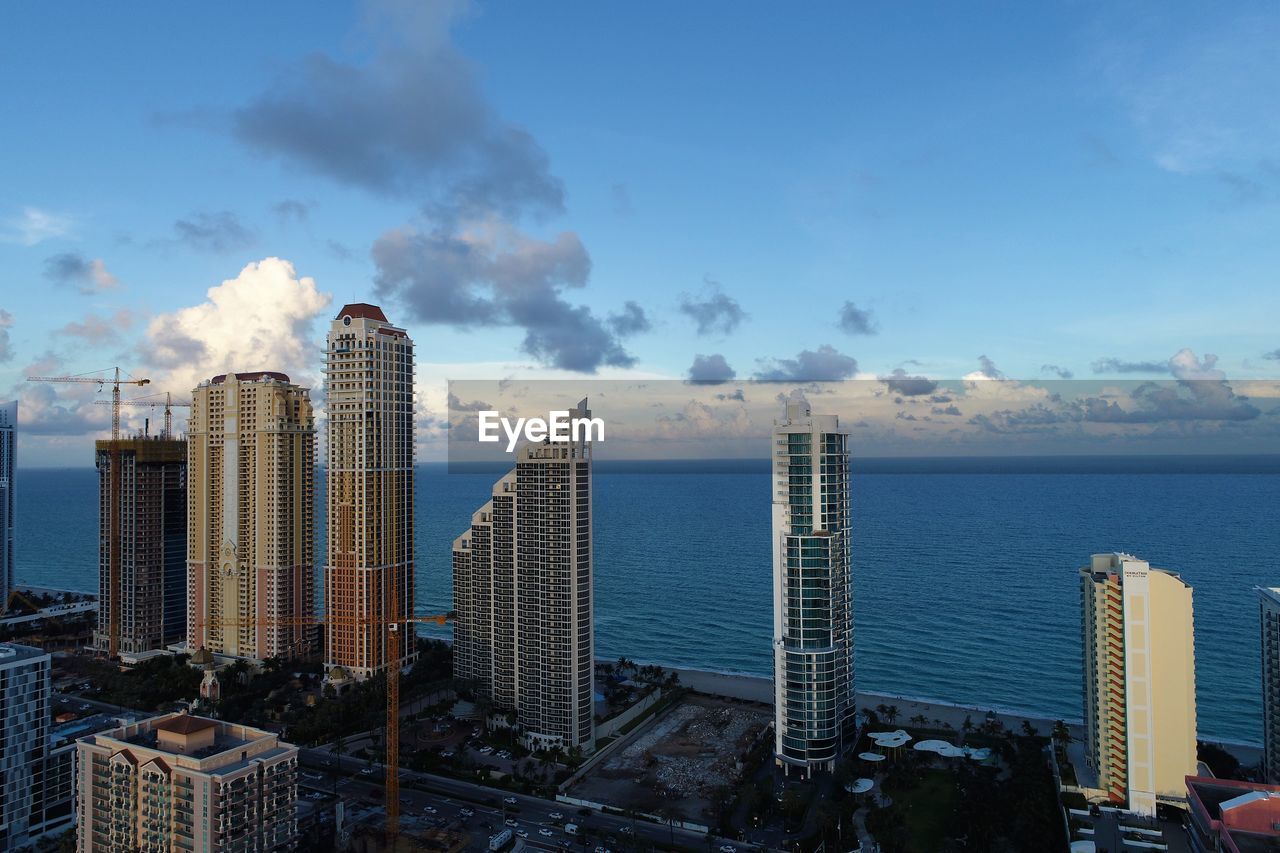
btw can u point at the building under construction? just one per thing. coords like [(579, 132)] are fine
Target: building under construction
[(143, 538)]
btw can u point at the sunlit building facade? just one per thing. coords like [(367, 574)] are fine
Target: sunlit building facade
[(251, 515), (1269, 639), (8, 448), (369, 493), (1139, 681)]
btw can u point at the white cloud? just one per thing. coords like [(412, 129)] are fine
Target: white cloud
[(34, 226), (263, 319)]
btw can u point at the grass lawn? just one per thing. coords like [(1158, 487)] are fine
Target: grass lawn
[(926, 809)]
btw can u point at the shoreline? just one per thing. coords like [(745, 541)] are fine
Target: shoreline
[(757, 688)]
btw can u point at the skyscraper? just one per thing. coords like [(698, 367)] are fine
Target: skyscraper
[(1139, 680), (369, 493), (180, 782), (1269, 631), (142, 542), (26, 769), (523, 622), (8, 448), (814, 706), (251, 568)]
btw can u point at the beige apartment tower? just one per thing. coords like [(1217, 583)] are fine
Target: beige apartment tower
[(522, 591), (180, 782), (251, 518), (1139, 681), (369, 493), (1269, 638)]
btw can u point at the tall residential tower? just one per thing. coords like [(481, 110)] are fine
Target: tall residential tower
[(814, 706), (369, 493), (1269, 636), (8, 447), (522, 590), (142, 543), (251, 467), (1139, 680)]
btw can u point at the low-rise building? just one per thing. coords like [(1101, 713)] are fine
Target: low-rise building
[(179, 781), (1232, 817)]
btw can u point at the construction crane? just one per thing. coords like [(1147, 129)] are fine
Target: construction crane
[(113, 502), (392, 623), (167, 402), (100, 381)]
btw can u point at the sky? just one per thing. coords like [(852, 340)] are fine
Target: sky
[(707, 191)]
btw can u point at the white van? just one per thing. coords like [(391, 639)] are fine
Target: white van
[(570, 829)]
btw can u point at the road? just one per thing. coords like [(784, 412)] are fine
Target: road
[(531, 813)]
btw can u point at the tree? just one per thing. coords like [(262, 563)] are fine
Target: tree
[(891, 714), (1062, 732)]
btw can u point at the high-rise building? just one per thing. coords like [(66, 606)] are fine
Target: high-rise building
[(251, 564), (369, 493), (142, 542), (8, 455), (814, 707), (180, 782), (1269, 625), (522, 589), (1139, 681), (33, 801)]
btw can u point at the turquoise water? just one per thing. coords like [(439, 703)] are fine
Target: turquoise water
[(966, 587)]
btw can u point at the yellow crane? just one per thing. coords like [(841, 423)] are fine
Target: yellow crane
[(113, 502), (392, 622)]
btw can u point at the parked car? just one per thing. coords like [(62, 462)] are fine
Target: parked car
[(511, 822), (545, 832), (556, 816), (523, 833), (511, 801)]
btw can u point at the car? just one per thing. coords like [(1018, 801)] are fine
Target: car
[(448, 753), (366, 771), (523, 833), (626, 830), (511, 801), (545, 832), (86, 707), (485, 750), (728, 848), (465, 812), (556, 816), (430, 809), (600, 849), (511, 822)]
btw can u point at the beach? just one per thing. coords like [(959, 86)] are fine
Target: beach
[(754, 688)]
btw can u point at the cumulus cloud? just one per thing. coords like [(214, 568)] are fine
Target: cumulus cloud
[(1274, 355), (6, 345), (1187, 400), (95, 330), (1060, 372), (710, 369), (412, 120), (713, 311), (85, 274), (218, 232), (263, 319), (34, 225), (1185, 365), (857, 321), (825, 363), (900, 382), (496, 275)]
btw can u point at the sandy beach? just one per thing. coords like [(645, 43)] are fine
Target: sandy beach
[(754, 688)]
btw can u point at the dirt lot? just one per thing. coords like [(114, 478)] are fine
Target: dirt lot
[(680, 761)]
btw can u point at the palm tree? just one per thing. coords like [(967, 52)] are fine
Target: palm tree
[(891, 714)]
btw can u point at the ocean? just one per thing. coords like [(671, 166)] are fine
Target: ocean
[(966, 586)]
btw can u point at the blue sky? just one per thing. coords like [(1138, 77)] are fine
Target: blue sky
[(1088, 186)]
